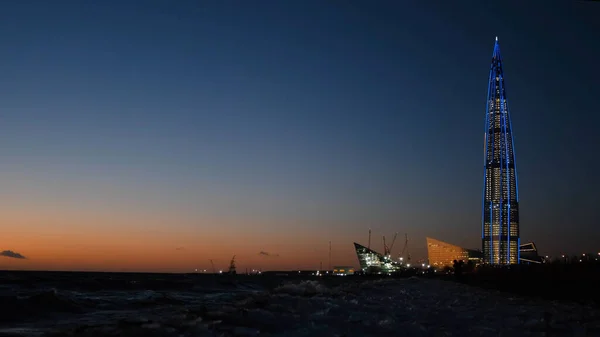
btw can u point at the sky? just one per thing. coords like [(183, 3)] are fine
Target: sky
[(157, 135)]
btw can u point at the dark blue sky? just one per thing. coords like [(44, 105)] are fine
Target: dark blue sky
[(317, 117)]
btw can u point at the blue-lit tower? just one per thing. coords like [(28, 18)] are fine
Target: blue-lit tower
[(500, 214)]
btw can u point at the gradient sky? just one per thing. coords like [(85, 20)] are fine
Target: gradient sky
[(129, 129)]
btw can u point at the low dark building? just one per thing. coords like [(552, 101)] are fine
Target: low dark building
[(529, 253)]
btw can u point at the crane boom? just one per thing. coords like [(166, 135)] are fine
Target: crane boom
[(405, 249), (393, 241), (385, 247), (232, 269)]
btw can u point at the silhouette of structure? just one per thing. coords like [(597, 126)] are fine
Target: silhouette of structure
[(529, 254), (500, 214), (329, 266), (443, 254), (232, 269), (405, 249), (387, 250)]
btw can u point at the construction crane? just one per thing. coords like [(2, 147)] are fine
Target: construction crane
[(392, 245), (388, 250), (232, 270), (213, 267), (405, 249)]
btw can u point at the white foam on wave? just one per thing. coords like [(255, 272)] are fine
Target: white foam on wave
[(304, 288)]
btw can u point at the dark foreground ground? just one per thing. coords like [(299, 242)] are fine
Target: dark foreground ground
[(120, 304), (560, 282)]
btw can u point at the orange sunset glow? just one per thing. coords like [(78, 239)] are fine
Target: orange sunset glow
[(80, 241)]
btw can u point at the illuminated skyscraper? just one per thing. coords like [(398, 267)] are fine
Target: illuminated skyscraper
[(500, 214)]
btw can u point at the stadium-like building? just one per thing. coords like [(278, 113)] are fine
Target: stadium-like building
[(372, 262), (442, 254)]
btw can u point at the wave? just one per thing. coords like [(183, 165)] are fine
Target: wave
[(304, 288), (226, 307), (16, 308)]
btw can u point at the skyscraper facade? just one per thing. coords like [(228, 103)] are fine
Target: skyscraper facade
[(500, 214)]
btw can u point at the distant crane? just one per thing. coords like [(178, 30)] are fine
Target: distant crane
[(213, 267), (232, 270), (393, 241), (388, 250), (405, 249)]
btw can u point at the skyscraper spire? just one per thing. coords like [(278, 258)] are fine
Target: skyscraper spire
[(500, 213)]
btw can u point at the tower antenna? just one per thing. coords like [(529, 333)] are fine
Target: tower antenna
[(329, 256), (369, 245)]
